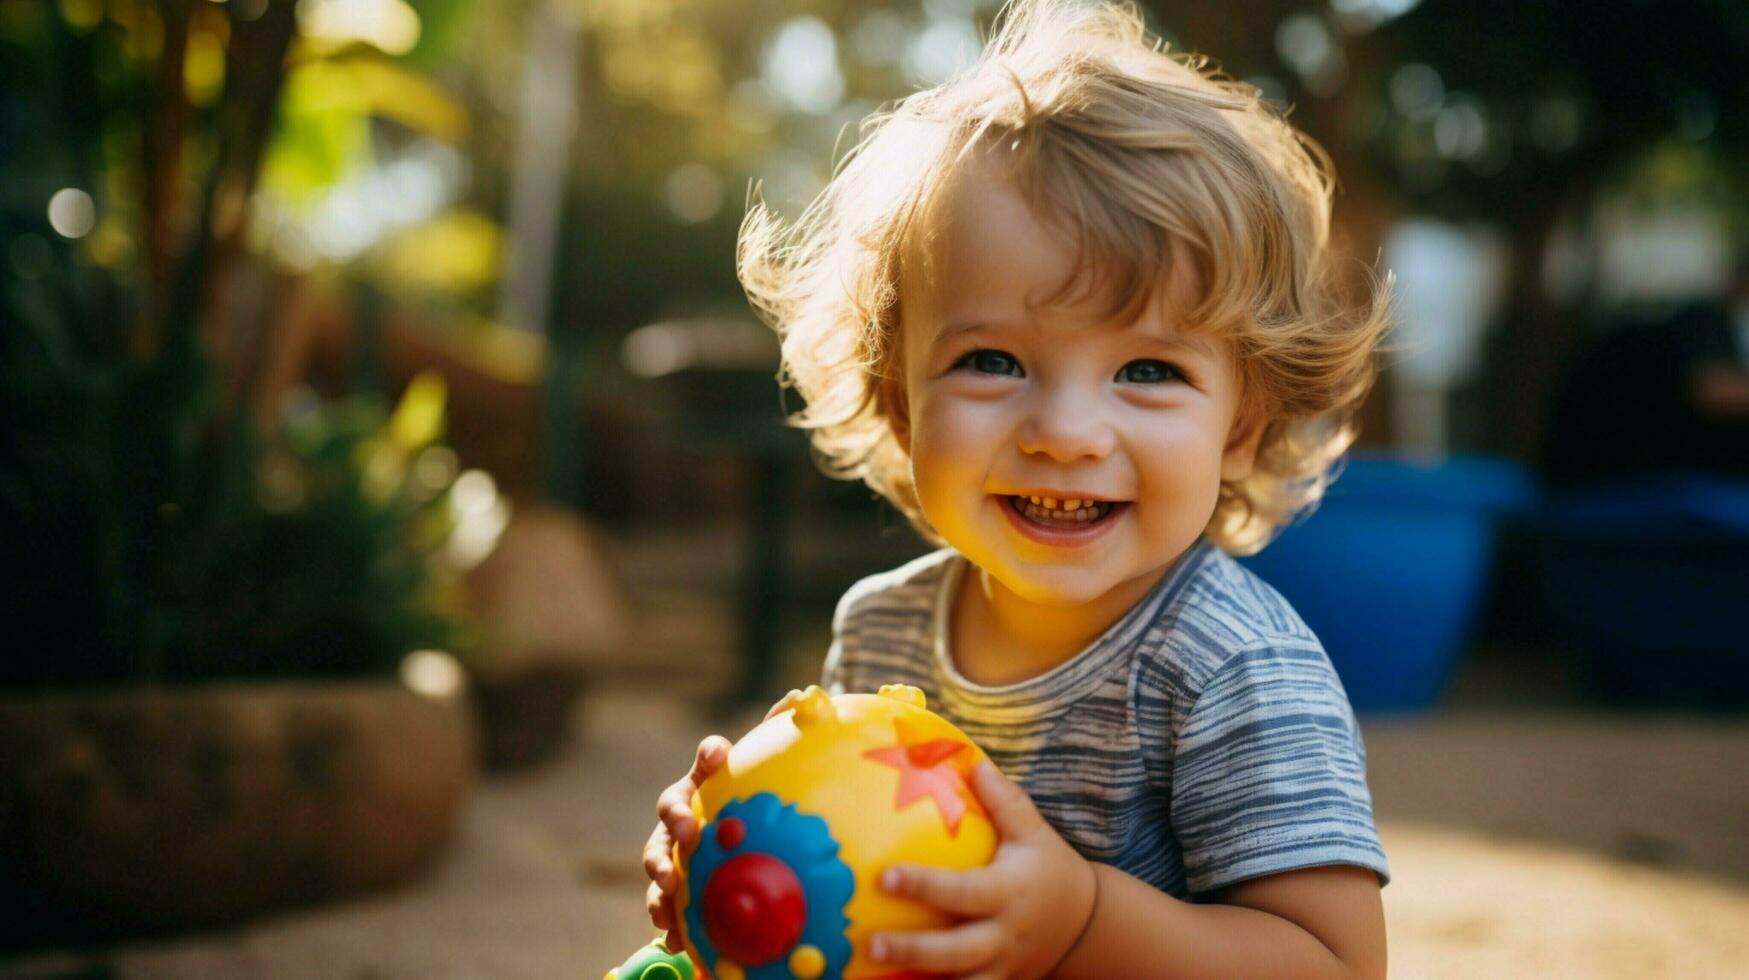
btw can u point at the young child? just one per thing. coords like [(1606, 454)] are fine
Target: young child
[(1074, 312)]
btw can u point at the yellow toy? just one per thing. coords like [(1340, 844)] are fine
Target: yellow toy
[(799, 823)]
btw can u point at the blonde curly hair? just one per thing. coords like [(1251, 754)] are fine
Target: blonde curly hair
[(1133, 149)]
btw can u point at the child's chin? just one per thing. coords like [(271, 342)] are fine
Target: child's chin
[(1067, 589)]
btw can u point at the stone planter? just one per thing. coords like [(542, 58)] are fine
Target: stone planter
[(154, 810)]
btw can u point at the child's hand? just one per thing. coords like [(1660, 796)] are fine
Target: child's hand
[(676, 825), (1024, 910)]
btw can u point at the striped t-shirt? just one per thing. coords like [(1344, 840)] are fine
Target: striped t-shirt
[(1202, 740)]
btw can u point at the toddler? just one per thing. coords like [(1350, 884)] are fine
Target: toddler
[(1074, 312)]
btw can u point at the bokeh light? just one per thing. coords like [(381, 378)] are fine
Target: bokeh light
[(390, 25), (481, 514), (1460, 131), (879, 38), (1306, 44), (942, 49), (1360, 16), (72, 213), (801, 65), (433, 674), (1417, 91), (694, 192)]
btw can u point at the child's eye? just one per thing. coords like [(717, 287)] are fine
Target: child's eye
[(1148, 372), (987, 361)]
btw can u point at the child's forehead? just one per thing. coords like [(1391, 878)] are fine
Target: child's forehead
[(982, 222), (986, 249)]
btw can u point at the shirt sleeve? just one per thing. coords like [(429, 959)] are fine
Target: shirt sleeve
[(1269, 773), (832, 671)]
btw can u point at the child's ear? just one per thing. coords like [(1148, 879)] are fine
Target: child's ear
[(1246, 434), (890, 399)]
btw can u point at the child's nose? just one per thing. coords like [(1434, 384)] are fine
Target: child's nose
[(1067, 427)]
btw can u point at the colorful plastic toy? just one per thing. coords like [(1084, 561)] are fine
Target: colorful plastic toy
[(653, 962), (807, 811)]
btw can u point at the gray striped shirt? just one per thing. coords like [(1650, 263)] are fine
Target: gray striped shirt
[(1202, 740)]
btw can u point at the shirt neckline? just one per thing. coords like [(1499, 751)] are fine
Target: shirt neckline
[(1088, 665)]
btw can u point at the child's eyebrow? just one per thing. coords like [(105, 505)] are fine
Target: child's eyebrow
[(1189, 343), (949, 331)]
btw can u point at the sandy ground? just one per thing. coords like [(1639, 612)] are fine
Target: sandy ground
[(1564, 845)]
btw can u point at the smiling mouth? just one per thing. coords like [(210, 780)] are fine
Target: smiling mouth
[(1049, 512)]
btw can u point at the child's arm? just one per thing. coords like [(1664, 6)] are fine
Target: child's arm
[(1040, 908), (1319, 922)]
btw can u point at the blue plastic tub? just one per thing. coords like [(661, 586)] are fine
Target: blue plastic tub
[(1648, 582), (1390, 569)]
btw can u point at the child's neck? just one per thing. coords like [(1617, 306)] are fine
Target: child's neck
[(999, 638)]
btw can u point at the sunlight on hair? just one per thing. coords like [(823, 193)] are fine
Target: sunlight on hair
[(1131, 147)]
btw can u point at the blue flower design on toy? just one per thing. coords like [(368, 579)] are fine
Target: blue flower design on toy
[(766, 892)]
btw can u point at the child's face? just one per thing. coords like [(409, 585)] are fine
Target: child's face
[(1004, 402)]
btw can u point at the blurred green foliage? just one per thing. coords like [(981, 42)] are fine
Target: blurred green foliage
[(145, 541), (152, 529)]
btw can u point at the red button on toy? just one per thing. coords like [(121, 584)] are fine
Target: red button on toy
[(730, 833), (754, 909)]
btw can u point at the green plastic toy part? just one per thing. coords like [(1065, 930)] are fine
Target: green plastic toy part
[(653, 962)]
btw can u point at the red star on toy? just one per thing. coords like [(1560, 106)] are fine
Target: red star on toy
[(935, 768)]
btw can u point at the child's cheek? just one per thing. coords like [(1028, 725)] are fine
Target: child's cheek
[(955, 443)]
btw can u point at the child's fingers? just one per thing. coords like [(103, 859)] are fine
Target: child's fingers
[(660, 907), (1011, 810), (962, 949), (678, 796), (674, 806), (709, 758), (658, 860), (973, 894), (674, 809), (676, 816), (712, 752)]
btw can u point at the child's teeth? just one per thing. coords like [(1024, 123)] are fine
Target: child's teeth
[(1085, 511), (1051, 502)]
